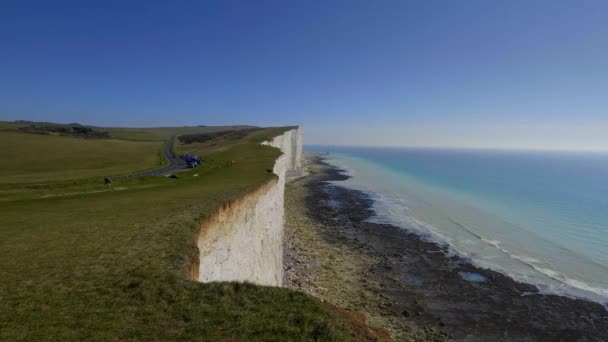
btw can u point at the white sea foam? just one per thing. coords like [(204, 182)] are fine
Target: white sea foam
[(570, 283), (338, 164), (394, 209), (567, 286)]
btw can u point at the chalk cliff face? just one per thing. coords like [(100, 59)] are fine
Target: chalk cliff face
[(243, 240)]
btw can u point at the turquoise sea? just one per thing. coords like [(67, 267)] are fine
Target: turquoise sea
[(540, 217)]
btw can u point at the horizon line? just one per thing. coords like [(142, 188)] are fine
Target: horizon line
[(429, 147)]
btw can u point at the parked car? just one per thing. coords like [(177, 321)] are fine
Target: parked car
[(191, 160)]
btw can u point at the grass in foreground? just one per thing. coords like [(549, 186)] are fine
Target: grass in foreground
[(112, 265)]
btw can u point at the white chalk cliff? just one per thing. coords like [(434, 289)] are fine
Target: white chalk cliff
[(243, 240)]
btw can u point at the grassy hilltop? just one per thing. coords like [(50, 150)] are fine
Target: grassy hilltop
[(35, 158), (80, 261)]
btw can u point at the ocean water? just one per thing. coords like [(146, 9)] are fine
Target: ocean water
[(540, 217)]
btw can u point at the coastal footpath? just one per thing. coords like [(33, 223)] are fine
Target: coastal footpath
[(243, 239)]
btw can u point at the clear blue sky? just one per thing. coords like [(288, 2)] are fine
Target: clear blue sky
[(457, 73)]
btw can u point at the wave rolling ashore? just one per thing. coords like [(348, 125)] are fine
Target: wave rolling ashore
[(413, 287)]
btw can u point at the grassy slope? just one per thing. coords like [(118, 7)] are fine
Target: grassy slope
[(134, 133), (112, 265), (216, 144), (28, 158), (162, 133)]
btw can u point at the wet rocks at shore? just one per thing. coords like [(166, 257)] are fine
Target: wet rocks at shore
[(409, 285)]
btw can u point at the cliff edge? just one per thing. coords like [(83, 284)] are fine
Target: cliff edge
[(243, 239)]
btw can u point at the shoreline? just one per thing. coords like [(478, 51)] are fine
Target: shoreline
[(412, 286), (476, 233)]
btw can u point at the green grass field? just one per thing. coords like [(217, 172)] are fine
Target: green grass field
[(130, 133), (34, 158), (163, 133), (97, 264)]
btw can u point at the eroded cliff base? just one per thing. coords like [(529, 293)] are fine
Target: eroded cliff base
[(408, 285)]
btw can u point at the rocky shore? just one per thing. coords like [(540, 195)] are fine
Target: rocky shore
[(408, 285)]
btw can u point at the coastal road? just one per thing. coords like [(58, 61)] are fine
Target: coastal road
[(175, 163)]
